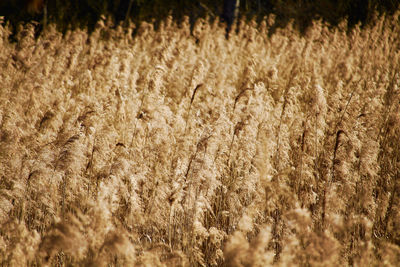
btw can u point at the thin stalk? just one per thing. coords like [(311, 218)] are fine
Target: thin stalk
[(190, 105), (127, 13)]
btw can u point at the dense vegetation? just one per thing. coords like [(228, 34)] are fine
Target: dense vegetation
[(85, 13), (173, 148)]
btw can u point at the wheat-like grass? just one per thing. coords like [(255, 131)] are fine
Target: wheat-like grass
[(173, 148)]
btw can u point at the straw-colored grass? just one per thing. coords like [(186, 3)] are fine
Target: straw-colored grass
[(179, 149)]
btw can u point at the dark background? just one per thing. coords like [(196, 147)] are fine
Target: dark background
[(85, 13)]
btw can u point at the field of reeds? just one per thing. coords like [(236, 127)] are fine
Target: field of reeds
[(173, 148)]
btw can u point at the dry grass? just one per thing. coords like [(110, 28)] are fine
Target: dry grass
[(169, 149)]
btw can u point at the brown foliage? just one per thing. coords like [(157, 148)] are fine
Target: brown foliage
[(172, 150)]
